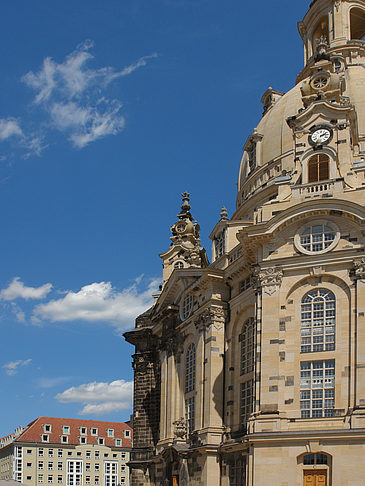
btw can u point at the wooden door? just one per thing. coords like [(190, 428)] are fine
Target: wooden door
[(315, 478), (175, 481)]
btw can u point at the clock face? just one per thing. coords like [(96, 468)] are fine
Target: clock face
[(320, 136)]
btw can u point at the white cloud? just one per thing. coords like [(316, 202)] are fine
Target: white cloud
[(17, 289), (9, 127), (51, 382), (99, 302), (11, 368), (72, 95), (99, 398)]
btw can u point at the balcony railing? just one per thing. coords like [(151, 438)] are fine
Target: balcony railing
[(317, 188)]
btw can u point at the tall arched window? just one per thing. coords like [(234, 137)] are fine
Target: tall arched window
[(357, 22), (247, 346), (318, 321), (190, 369), (247, 359), (318, 168), (190, 361)]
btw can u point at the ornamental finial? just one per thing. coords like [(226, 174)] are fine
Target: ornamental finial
[(224, 214)]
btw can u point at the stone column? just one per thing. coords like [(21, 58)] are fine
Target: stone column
[(268, 282)]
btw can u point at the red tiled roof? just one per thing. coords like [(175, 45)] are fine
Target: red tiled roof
[(35, 431)]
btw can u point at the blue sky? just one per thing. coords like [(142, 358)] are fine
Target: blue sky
[(109, 111)]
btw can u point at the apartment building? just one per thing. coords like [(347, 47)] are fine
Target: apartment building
[(68, 452)]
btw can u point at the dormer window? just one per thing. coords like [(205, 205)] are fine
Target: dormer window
[(179, 265), (83, 430), (251, 152), (47, 428), (45, 438), (110, 432), (66, 429)]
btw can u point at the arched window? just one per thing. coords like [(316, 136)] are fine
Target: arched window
[(247, 346), (190, 369), (318, 321), (179, 265), (189, 388), (318, 168), (357, 22)]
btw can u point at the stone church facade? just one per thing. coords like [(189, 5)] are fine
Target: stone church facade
[(250, 370)]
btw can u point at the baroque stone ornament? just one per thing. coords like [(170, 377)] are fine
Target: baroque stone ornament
[(359, 269), (214, 316), (337, 4), (269, 279), (180, 428)]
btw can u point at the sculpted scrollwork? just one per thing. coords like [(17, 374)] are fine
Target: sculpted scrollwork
[(359, 269), (171, 339), (180, 428), (269, 279)]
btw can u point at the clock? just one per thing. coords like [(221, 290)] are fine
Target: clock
[(321, 135)]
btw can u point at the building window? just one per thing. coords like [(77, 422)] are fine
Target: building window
[(78, 453), (47, 428), (64, 439), (318, 168), (50, 478), (29, 464), (18, 477), (317, 458), (40, 452), (101, 440), (317, 238), (94, 431), (97, 454), (74, 473), (246, 402), (220, 245), (18, 451), (69, 453), (237, 471), (29, 451), (40, 478), (83, 430), (186, 307), (40, 464), (118, 442), (122, 467), (66, 429), (97, 467), (59, 453), (50, 466), (29, 478), (190, 414), (59, 479), (190, 369), (50, 452), (59, 466), (124, 456), (357, 22), (317, 388), (318, 321), (88, 454), (251, 153), (247, 339), (110, 432), (87, 479), (110, 473), (179, 265), (45, 438), (96, 480), (82, 440), (245, 284), (106, 455)]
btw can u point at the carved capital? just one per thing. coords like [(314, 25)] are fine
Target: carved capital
[(214, 316), (142, 362), (269, 279), (171, 339)]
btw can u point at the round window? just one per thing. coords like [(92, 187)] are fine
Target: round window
[(186, 307), (319, 237)]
